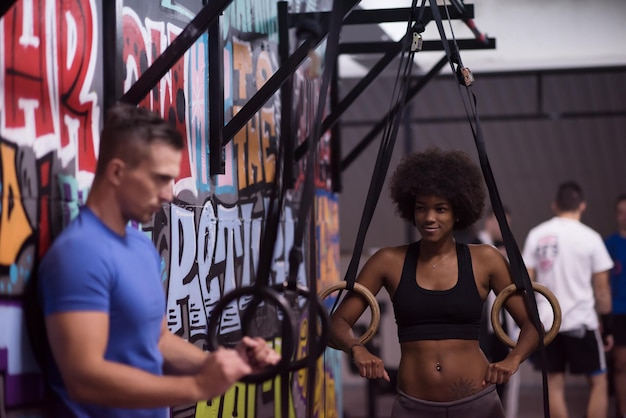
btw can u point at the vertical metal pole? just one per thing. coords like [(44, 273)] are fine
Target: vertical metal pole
[(216, 98), (335, 135), (286, 97), (111, 51), (312, 316)]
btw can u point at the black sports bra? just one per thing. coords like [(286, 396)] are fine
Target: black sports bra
[(423, 314)]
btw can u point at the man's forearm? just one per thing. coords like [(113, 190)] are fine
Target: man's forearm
[(118, 385), (603, 304), (602, 292), (180, 357)]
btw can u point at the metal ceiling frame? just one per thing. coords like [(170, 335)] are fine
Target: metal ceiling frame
[(207, 19), (465, 13), (391, 50)]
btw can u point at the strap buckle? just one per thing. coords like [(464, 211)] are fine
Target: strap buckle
[(417, 43), (465, 76)]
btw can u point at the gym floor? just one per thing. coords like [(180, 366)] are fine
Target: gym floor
[(530, 398)]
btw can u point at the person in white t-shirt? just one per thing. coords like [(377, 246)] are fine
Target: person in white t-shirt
[(570, 259)]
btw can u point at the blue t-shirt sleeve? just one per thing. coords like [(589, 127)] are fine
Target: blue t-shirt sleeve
[(73, 276)]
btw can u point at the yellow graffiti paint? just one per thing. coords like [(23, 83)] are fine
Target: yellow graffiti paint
[(14, 225), (242, 66), (238, 401), (268, 131), (255, 169), (327, 211), (241, 400), (254, 164), (275, 387), (263, 69), (301, 351)]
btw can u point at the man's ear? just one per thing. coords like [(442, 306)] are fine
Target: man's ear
[(583, 206), (115, 171)]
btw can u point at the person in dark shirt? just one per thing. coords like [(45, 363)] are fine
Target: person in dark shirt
[(616, 245), (437, 287)]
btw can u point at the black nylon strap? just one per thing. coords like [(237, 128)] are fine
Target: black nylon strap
[(519, 272)]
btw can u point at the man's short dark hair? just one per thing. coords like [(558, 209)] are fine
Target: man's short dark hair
[(569, 196), (128, 130)]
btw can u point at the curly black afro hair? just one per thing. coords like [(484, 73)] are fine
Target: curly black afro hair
[(449, 174)]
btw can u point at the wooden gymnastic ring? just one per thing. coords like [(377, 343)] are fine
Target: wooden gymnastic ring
[(371, 300), (505, 294)]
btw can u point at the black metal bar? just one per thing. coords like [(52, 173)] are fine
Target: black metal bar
[(433, 45), (364, 17), (278, 78), (174, 51), (458, 5), (362, 145), (4, 7), (390, 50), (216, 98), (286, 97), (335, 136), (111, 56)]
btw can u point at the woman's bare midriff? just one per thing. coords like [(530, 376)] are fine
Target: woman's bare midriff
[(441, 370)]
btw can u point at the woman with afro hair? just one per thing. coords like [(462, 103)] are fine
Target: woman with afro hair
[(437, 287)]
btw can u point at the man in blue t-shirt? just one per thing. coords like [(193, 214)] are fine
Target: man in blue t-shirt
[(103, 301), (616, 244)]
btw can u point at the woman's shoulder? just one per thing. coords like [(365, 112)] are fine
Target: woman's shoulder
[(485, 253), (386, 264), (391, 253), (483, 249), (386, 258)]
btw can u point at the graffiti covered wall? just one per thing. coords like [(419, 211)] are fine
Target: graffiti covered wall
[(209, 237), (49, 121)]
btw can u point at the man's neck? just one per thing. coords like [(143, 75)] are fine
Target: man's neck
[(104, 206), (576, 215)]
